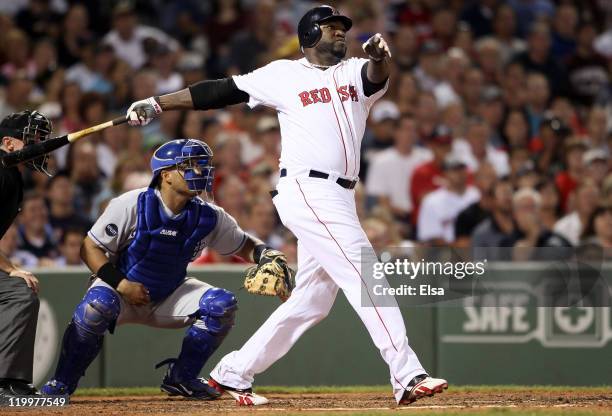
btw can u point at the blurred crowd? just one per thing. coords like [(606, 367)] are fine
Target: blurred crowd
[(495, 132)]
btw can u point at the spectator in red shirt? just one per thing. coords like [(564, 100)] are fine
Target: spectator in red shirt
[(429, 176), (567, 180)]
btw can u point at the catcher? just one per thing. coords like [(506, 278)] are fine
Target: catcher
[(139, 250)]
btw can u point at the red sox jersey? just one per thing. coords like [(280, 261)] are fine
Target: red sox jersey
[(322, 113)]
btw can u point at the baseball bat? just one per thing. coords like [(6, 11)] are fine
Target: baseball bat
[(41, 148)]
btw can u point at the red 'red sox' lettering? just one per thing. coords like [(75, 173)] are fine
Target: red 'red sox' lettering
[(323, 95)]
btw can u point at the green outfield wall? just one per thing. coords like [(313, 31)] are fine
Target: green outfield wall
[(517, 343)]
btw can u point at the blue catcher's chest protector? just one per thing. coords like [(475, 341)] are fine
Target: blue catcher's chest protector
[(163, 247)]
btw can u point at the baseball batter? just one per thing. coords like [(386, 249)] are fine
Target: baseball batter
[(139, 250), (322, 101)]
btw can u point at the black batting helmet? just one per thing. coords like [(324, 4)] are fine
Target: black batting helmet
[(30, 127), (309, 29)]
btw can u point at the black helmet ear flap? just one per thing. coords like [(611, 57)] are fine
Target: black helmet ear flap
[(311, 36)]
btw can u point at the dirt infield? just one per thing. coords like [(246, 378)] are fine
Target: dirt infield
[(597, 401)]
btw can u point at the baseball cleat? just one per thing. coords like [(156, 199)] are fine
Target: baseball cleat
[(423, 386), (56, 388), (244, 397), (197, 388)]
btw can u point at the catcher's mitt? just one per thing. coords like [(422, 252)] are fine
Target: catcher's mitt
[(272, 277)]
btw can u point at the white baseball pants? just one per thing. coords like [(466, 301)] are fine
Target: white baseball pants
[(322, 215)]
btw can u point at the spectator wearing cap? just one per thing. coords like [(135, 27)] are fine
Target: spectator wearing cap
[(429, 176), (390, 173), (127, 36), (440, 208), (530, 234), (487, 237), (163, 61), (525, 175), (567, 180), (379, 136), (504, 30), (548, 147), (492, 111), (427, 70), (595, 165), (587, 70), (585, 200), (475, 149), (469, 218)]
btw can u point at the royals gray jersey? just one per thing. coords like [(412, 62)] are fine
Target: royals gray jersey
[(116, 227)]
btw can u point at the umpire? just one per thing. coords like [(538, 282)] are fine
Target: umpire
[(18, 288)]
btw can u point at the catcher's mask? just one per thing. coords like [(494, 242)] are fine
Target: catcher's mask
[(30, 127), (191, 157)]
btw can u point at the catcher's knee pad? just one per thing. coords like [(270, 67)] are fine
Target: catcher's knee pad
[(217, 309), (98, 310)]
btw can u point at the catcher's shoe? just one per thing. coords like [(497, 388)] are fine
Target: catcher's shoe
[(197, 389), (56, 388), (244, 397), (422, 386)]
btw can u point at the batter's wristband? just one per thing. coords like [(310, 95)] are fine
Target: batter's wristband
[(258, 251), (110, 275)]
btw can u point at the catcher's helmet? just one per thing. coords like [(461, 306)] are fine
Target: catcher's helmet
[(30, 127), (190, 156), (309, 29)]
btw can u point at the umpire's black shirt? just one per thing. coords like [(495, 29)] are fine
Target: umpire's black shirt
[(11, 195)]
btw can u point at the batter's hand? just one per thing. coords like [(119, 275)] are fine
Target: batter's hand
[(134, 293), (376, 48), (29, 278), (142, 112)]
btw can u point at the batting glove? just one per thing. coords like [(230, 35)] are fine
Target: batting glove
[(376, 48), (142, 112)]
